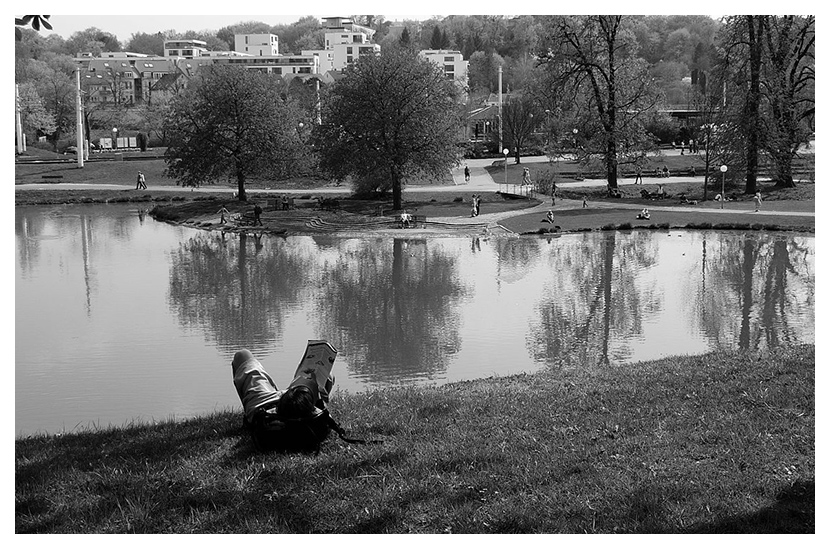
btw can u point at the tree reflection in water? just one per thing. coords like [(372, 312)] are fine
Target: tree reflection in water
[(235, 290), (593, 299), (394, 305)]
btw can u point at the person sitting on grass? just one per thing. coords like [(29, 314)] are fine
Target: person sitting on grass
[(548, 217), (406, 220), (644, 214)]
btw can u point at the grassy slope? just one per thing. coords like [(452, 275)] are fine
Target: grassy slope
[(723, 442)]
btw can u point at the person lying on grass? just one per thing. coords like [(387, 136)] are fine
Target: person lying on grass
[(296, 419)]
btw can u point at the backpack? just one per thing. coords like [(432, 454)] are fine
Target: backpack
[(272, 433)]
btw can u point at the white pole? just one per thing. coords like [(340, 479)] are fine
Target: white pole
[(18, 121), (79, 118), (500, 120)]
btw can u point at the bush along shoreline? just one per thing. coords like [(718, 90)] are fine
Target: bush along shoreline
[(718, 443)]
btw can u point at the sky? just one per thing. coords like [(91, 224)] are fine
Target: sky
[(147, 16)]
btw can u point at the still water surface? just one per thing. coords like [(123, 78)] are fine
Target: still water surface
[(119, 317)]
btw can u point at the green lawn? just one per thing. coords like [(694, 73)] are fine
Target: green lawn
[(723, 442)]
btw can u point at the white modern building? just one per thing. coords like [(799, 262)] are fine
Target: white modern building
[(345, 42), (259, 45), (187, 49), (451, 61)]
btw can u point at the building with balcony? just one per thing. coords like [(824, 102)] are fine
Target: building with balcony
[(345, 42), (258, 45), (187, 49)]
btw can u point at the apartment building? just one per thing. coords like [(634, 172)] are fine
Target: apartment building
[(188, 49), (124, 78), (258, 45), (451, 61), (345, 42)]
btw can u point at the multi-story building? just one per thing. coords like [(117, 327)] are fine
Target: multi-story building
[(262, 45), (187, 49), (345, 42), (452, 62), (124, 78)]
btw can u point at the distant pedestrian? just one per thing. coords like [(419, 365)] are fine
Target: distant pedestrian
[(285, 202), (478, 204), (466, 173), (757, 199), (526, 177), (584, 202), (222, 213), (660, 192), (257, 214), (638, 178), (553, 195), (140, 182)]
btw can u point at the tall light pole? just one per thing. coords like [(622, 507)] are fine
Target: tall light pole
[(500, 119), (114, 138), (722, 185), (505, 151), (79, 120)]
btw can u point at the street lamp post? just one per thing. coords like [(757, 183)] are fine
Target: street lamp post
[(505, 151), (722, 185), (115, 138)]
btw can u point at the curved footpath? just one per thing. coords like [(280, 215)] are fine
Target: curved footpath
[(481, 181)]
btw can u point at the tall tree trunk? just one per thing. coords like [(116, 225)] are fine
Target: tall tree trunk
[(754, 27), (397, 193), (240, 184)]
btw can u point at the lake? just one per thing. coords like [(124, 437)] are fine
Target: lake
[(120, 318)]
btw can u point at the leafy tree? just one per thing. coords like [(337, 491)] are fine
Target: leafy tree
[(483, 71), (149, 44), (593, 59), (439, 40), (405, 40), (92, 40), (34, 116), (231, 123), (520, 117), (391, 117), (766, 69), (788, 89), (51, 78)]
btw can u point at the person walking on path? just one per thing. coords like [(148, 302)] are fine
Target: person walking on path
[(222, 213), (466, 173), (526, 177), (757, 199), (553, 194), (139, 182), (257, 214), (639, 177), (584, 202)]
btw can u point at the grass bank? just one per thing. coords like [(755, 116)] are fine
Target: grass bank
[(723, 442)]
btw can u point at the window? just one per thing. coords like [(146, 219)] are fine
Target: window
[(349, 50), (449, 58), (449, 68), (187, 52), (348, 59), (174, 52)]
